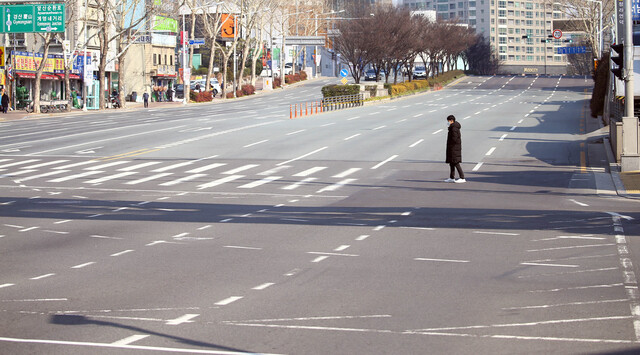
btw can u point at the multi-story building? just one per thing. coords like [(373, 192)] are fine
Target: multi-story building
[(506, 24)]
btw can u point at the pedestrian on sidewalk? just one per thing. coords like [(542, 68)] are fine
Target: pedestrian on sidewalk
[(5, 101), (454, 150), (145, 98)]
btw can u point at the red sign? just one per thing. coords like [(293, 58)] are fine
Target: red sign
[(557, 34)]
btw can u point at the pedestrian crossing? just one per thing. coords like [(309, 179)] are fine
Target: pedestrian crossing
[(191, 175)]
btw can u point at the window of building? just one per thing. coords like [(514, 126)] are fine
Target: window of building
[(452, 6), (442, 7), (165, 60), (155, 59), (502, 4), (528, 5), (511, 31), (529, 50), (529, 58), (502, 21), (529, 23), (460, 13), (472, 4), (503, 57), (517, 57), (171, 60), (502, 40), (502, 49), (472, 12), (461, 5), (502, 13), (472, 22)]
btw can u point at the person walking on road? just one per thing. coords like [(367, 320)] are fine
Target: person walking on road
[(454, 150), (145, 98), (5, 101)]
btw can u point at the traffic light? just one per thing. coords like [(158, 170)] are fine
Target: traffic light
[(526, 37), (619, 60), (568, 40), (546, 40)]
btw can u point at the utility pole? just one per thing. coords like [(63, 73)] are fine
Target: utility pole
[(630, 159)]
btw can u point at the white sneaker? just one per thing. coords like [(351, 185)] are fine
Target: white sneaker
[(450, 180), (460, 181)]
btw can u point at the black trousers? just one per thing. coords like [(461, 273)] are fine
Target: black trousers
[(455, 167), (146, 103)]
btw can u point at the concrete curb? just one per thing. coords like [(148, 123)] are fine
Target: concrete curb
[(614, 170)]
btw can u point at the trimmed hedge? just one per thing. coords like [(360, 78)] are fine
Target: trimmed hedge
[(340, 90), (248, 89), (204, 96), (439, 80), (277, 82)]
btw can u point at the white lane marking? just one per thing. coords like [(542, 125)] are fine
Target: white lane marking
[(328, 124), (6, 285), (148, 178), (496, 233), (240, 169), (122, 252), (302, 156), (130, 340), (579, 203), (299, 183), (227, 301), (336, 185), (41, 277), (379, 228), (350, 137), (263, 286), (519, 122), (240, 247), (44, 164), (75, 164), (556, 265), (62, 221), (329, 254), (75, 176), (220, 181), (362, 237), (574, 247), (466, 117), (418, 115), (295, 132), (187, 318), (567, 304), (256, 143), (353, 118), (341, 248), (19, 163), (384, 162), (438, 131), (310, 171), (416, 143), (374, 113), (171, 167), (319, 259), (274, 170), (503, 137), (102, 166), (261, 182), (49, 173), (513, 128), (110, 177), (493, 149), (206, 167), (138, 166), (183, 179), (477, 167), (377, 128), (38, 300), (28, 229), (588, 237), (104, 237), (346, 173), (442, 260), (578, 288), (83, 265)]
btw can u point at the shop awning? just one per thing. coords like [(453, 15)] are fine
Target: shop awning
[(165, 75), (33, 76), (71, 76)]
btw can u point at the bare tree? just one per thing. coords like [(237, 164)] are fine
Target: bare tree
[(47, 38), (354, 42)]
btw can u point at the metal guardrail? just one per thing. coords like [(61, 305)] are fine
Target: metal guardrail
[(340, 102)]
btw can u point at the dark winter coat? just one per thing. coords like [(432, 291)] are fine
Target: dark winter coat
[(454, 144), (5, 100)]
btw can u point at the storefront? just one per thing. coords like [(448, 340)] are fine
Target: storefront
[(51, 83)]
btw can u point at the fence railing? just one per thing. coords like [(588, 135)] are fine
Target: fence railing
[(340, 102)]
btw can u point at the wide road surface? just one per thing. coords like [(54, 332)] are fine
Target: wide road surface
[(229, 228)]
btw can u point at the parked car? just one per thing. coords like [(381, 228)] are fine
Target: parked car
[(419, 72), (371, 75), (200, 85), (179, 91)]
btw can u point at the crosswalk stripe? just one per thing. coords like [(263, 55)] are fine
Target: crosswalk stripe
[(220, 181), (54, 172), (346, 173), (20, 172), (139, 166), (310, 171), (206, 167), (102, 166), (242, 168), (75, 176), (274, 170), (336, 185), (171, 167), (1, 160), (148, 178), (260, 182), (298, 184), (183, 179), (75, 164), (19, 163), (110, 177), (45, 164)]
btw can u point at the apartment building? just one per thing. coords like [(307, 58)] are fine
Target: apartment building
[(504, 23)]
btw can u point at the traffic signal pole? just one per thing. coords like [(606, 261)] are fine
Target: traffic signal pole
[(630, 158)]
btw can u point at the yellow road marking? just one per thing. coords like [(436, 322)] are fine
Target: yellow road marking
[(129, 154)]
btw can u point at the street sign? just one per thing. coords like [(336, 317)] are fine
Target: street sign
[(557, 34), (304, 41), (344, 73), (196, 41), (572, 50), (344, 81), (32, 18)]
